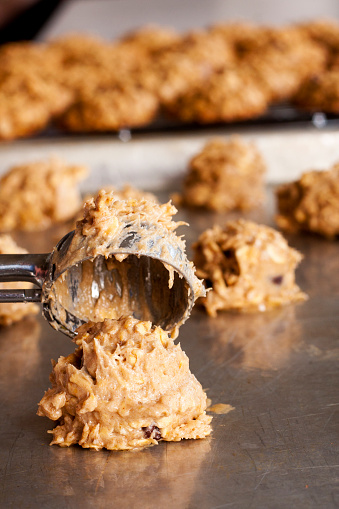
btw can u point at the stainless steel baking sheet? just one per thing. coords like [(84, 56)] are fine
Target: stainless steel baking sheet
[(277, 449)]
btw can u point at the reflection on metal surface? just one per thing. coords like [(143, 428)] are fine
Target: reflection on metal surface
[(19, 351), (256, 340), (163, 476), (321, 274)]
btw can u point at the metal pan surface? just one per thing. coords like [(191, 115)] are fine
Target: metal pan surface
[(278, 448)]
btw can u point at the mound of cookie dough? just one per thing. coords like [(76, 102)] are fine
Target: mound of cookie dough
[(34, 196), (248, 267), (310, 203), (281, 58), (14, 311), (320, 93), (191, 62), (126, 386), (110, 106), (225, 175), (124, 258), (325, 33), (228, 95), (128, 192), (30, 94), (150, 39)]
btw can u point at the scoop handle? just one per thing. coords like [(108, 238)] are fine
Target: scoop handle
[(23, 267)]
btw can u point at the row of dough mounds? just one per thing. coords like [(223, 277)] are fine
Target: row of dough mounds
[(224, 73), (228, 175), (249, 266)]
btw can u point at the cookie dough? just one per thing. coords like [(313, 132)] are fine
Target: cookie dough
[(81, 61), (150, 40), (310, 203), (124, 258), (34, 196), (229, 95), (28, 102), (128, 192), (247, 266), (110, 106), (126, 386), (14, 311), (191, 63), (225, 175), (30, 93), (320, 93), (324, 32), (281, 58)]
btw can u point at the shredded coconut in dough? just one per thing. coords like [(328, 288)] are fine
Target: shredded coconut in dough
[(124, 258), (248, 266), (126, 386), (106, 219)]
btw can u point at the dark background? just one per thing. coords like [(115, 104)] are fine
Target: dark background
[(20, 21)]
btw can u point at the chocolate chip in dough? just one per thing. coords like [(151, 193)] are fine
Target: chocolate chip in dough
[(152, 432)]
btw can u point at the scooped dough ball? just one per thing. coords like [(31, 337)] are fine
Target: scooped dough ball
[(229, 95), (248, 266), (225, 175), (321, 92), (282, 58), (11, 312), (126, 386), (311, 203), (36, 195), (127, 192)]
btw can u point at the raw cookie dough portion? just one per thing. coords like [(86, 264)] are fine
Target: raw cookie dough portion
[(320, 93), (324, 32), (125, 193), (128, 192), (14, 311), (229, 95), (150, 39), (191, 63), (34, 196), (310, 203), (125, 258), (248, 266), (281, 58), (225, 175), (28, 102), (127, 386), (111, 106), (30, 94)]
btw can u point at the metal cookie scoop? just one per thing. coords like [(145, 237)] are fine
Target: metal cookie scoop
[(143, 274)]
